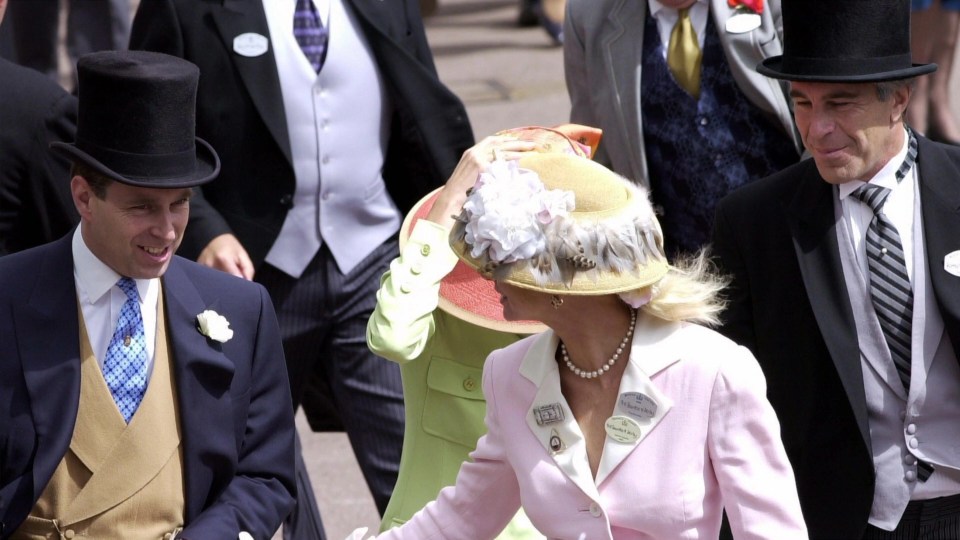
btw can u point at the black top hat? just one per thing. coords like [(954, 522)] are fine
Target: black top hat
[(137, 118), (845, 41)]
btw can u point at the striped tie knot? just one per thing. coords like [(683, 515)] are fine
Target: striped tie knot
[(872, 196)]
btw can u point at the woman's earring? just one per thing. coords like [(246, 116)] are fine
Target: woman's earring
[(556, 301)]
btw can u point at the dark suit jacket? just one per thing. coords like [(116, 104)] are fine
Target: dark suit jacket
[(236, 418), (789, 305), (35, 202), (240, 112)]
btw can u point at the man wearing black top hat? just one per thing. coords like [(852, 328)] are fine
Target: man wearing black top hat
[(141, 395), (846, 281)]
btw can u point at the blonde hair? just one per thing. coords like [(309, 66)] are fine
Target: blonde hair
[(690, 291)]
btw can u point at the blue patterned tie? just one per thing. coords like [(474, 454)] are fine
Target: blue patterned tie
[(125, 367), (310, 33)]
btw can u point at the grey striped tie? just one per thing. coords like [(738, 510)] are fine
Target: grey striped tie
[(890, 286)]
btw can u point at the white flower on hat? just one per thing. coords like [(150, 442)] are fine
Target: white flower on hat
[(214, 326), (507, 210)]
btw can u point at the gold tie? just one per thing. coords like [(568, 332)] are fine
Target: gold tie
[(683, 54)]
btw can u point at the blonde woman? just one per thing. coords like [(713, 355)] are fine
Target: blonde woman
[(628, 418)]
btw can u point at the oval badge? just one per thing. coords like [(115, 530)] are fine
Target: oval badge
[(622, 429), (637, 404), (250, 44), (741, 23)]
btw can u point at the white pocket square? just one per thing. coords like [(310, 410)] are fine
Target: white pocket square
[(951, 263)]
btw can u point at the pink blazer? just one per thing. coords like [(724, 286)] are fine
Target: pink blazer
[(708, 440)]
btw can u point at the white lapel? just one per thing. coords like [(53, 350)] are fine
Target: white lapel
[(652, 351), (541, 369)]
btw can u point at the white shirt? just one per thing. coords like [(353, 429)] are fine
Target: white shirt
[(100, 301), (667, 17), (898, 208)]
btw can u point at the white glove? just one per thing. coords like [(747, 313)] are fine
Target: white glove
[(244, 535), (357, 534)]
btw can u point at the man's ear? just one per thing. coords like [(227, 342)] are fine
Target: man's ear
[(901, 98), (82, 195)]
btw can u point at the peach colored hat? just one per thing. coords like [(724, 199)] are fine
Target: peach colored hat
[(464, 293)]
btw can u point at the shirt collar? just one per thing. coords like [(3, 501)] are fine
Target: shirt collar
[(656, 6), (885, 177), (93, 276)]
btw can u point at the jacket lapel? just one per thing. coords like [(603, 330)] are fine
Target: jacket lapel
[(49, 348), (744, 51), (651, 352), (572, 455), (940, 202), (622, 48), (811, 217), (203, 376), (259, 73)]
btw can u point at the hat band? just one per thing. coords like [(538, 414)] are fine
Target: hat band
[(845, 66), (175, 164)]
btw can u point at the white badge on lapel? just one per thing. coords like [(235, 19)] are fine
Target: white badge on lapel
[(638, 404), (622, 429), (742, 22), (951, 263), (250, 44)]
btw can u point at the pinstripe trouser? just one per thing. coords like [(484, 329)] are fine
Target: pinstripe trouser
[(932, 519), (342, 385)]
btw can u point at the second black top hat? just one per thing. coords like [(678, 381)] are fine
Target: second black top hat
[(845, 41)]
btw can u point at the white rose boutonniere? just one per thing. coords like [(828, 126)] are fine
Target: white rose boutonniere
[(214, 325)]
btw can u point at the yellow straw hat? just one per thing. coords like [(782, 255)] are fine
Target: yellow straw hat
[(561, 224)]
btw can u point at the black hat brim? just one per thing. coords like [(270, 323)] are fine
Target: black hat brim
[(206, 169), (773, 67)]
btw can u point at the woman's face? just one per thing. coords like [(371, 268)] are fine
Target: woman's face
[(522, 304)]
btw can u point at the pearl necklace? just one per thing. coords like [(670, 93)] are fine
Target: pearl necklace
[(613, 359)]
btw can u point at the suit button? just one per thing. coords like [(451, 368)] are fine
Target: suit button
[(416, 269), (910, 476), (68, 534), (595, 510), (425, 250), (911, 429), (910, 460), (405, 288), (469, 384), (914, 443), (286, 201)]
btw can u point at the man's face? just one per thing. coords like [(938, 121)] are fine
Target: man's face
[(134, 230), (848, 130)]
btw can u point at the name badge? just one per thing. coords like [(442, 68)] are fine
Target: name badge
[(637, 404), (741, 23), (548, 414), (250, 44), (622, 429)]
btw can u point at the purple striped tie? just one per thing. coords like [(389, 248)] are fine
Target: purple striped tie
[(310, 33)]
